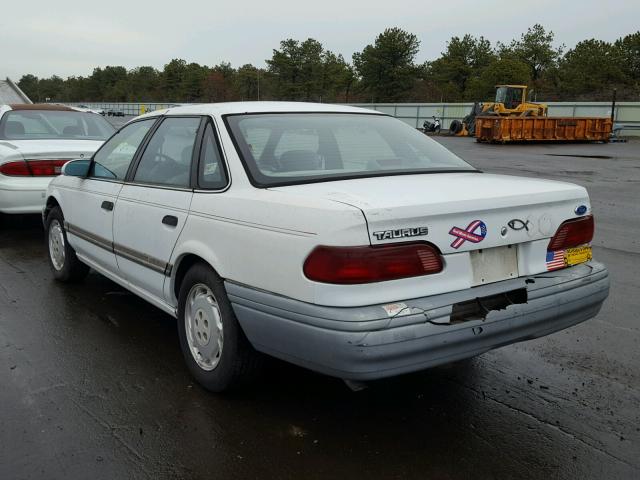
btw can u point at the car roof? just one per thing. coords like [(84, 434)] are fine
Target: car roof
[(40, 106), (230, 108)]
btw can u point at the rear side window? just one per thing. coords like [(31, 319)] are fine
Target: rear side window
[(113, 159), (167, 158), (211, 172)]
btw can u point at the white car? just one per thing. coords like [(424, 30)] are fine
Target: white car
[(335, 238), (36, 140), (85, 108)]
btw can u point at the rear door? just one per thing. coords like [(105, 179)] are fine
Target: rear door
[(153, 205), (89, 202)]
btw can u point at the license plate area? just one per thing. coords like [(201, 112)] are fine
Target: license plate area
[(494, 264)]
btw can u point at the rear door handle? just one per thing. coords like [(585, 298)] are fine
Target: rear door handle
[(107, 205), (170, 220)]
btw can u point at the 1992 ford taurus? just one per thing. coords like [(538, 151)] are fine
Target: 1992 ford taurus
[(335, 238)]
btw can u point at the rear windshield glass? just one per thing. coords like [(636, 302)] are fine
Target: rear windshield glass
[(292, 148), (54, 124)]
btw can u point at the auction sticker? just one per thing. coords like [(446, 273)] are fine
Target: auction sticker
[(575, 256), (397, 309)]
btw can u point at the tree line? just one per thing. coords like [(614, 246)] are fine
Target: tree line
[(384, 71)]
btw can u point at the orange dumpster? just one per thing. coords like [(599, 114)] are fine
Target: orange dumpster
[(545, 129)]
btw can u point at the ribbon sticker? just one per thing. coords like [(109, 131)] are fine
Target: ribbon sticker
[(475, 232)]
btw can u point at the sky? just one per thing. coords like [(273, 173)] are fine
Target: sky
[(70, 37)]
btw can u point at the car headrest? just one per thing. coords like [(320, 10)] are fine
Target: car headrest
[(294, 160), (72, 130), (187, 153), (13, 128)]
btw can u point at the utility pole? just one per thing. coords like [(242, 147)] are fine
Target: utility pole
[(613, 106)]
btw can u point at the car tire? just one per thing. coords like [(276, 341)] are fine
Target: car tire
[(216, 351), (62, 257)]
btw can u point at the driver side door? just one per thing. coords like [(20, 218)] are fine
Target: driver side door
[(153, 206)]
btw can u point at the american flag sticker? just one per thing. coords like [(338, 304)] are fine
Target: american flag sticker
[(555, 260)]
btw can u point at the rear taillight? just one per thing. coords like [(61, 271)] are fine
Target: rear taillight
[(33, 168), (15, 169), (572, 233), (367, 264), (46, 168)]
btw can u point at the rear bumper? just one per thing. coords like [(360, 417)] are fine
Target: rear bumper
[(23, 195), (365, 343)]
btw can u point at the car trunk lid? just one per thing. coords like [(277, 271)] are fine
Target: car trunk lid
[(51, 149), (455, 211)]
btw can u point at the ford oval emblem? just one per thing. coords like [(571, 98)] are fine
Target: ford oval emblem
[(581, 210)]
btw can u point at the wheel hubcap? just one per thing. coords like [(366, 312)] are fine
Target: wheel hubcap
[(56, 245), (203, 326)]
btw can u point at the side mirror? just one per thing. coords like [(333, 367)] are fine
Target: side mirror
[(76, 168)]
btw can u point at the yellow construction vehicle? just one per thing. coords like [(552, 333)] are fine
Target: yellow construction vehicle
[(513, 118), (512, 100)]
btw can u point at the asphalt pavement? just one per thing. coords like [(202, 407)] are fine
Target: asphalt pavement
[(93, 384)]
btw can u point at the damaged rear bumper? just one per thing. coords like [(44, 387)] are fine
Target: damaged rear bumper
[(365, 343)]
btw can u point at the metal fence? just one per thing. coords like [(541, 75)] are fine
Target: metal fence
[(627, 114)]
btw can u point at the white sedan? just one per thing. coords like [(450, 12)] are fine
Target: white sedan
[(35, 141), (335, 238)]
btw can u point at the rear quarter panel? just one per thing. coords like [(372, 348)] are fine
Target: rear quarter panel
[(261, 238)]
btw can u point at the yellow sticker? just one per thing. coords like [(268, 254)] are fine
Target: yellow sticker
[(574, 256)]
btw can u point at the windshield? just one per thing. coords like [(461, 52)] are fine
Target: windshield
[(509, 96), (501, 94), (54, 124), (292, 148)]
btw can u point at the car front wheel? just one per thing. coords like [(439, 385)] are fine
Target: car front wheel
[(214, 346), (62, 257)]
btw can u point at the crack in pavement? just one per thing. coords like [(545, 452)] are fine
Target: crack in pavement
[(565, 432), (104, 424), (548, 424), (16, 269)]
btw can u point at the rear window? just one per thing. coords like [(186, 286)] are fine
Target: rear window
[(53, 124), (294, 148)]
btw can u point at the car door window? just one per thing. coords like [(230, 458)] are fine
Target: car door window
[(167, 158), (113, 159), (211, 171)]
